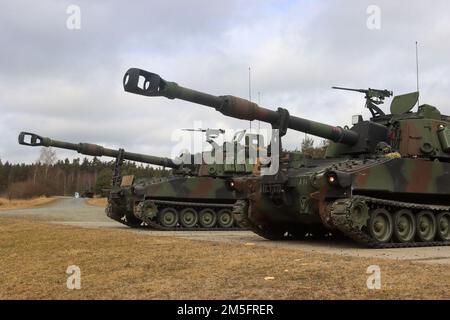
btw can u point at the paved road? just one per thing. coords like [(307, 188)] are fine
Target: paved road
[(71, 211), (67, 210)]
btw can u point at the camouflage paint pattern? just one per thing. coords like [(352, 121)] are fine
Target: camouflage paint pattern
[(409, 179), (187, 189)]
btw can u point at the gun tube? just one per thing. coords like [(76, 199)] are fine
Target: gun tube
[(154, 85), (96, 150)]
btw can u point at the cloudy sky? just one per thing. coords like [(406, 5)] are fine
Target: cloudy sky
[(67, 83)]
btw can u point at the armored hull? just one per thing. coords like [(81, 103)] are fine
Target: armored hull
[(175, 203), (380, 202)]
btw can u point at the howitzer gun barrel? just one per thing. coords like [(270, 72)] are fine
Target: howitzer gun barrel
[(150, 84), (34, 140)]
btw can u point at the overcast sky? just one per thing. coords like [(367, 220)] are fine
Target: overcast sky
[(67, 84)]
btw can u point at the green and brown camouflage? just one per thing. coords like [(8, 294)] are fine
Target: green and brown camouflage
[(384, 182), (194, 197), (204, 199)]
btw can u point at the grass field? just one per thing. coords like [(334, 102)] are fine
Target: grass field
[(118, 264), (6, 204), (99, 202)]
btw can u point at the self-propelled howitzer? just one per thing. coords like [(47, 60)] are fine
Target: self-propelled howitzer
[(193, 197), (384, 182), (121, 193)]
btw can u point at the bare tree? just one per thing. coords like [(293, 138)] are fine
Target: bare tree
[(308, 147), (47, 158)]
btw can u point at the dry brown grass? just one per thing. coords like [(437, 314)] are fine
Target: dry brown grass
[(6, 204), (117, 264), (99, 202)]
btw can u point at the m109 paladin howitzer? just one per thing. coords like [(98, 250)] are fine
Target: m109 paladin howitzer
[(194, 197), (384, 182)]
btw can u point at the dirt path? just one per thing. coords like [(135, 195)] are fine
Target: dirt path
[(76, 212)]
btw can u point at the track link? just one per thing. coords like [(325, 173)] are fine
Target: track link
[(122, 219), (240, 213), (341, 218)]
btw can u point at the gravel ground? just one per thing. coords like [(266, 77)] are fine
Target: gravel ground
[(76, 212)]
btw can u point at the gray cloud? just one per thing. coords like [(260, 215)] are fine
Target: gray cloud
[(67, 84)]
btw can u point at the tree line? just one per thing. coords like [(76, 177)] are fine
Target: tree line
[(49, 176)]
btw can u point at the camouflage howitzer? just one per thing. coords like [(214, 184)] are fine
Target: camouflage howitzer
[(384, 182), (120, 192), (194, 197)]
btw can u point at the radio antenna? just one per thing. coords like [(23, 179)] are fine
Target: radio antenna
[(250, 90), (259, 104), (417, 71)]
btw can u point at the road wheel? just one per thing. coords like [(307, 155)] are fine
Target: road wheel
[(188, 217), (381, 226), (207, 218), (404, 226), (443, 226), (426, 226), (168, 217), (225, 218)]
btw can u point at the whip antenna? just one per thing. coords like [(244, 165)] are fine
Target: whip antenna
[(250, 91), (417, 70), (259, 103)]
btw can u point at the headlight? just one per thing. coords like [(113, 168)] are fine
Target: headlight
[(332, 178), (230, 185)]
